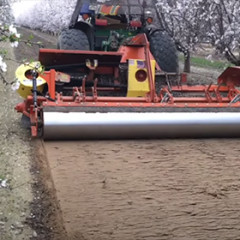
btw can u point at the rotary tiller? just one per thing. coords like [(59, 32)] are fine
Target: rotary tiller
[(123, 94)]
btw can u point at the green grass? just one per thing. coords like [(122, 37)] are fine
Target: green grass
[(205, 63), (2, 177)]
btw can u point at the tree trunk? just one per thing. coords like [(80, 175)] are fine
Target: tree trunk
[(187, 62)]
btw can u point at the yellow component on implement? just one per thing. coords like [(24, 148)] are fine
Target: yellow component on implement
[(137, 69), (24, 82)]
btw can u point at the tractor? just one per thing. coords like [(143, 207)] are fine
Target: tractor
[(106, 25)]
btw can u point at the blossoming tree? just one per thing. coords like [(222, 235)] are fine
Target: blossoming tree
[(197, 21), (7, 33)]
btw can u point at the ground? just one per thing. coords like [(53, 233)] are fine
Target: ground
[(15, 156), (161, 189), (87, 190), (27, 208)]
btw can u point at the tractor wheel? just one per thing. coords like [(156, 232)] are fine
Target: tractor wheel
[(73, 39), (164, 51)]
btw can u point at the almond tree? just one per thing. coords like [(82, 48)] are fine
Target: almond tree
[(48, 15), (5, 12), (224, 28), (7, 33), (185, 21), (192, 22)]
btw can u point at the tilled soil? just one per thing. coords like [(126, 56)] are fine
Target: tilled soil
[(161, 189)]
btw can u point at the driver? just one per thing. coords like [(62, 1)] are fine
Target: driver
[(85, 12)]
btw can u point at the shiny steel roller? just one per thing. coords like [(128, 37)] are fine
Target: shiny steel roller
[(113, 125)]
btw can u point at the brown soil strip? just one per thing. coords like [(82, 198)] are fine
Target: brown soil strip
[(162, 189)]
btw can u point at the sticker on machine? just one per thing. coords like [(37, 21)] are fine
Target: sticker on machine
[(131, 62), (141, 64)]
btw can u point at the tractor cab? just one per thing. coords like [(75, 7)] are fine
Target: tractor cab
[(135, 13), (109, 23)]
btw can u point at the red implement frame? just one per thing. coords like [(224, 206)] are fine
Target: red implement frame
[(222, 95)]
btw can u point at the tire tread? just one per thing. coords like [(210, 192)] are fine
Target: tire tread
[(73, 39), (164, 51)]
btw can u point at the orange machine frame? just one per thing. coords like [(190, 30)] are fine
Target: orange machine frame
[(224, 94)]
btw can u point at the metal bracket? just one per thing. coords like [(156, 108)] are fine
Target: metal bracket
[(235, 99), (92, 65), (94, 89), (207, 93)]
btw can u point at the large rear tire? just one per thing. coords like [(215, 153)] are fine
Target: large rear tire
[(164, 51), (73, 39)]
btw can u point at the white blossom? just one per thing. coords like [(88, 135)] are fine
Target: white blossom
[(18, 35), (15, 86), (3, 183), (14, 44), (3, 65), (12, 30)]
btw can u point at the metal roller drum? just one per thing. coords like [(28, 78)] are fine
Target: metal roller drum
[(113, 125)]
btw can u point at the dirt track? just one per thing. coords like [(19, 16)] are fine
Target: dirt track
[(15, 161), (162, 189)]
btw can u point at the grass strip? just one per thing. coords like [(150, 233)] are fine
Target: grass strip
[(205, 63)]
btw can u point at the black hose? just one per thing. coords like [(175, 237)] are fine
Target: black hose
[(34, 90)]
